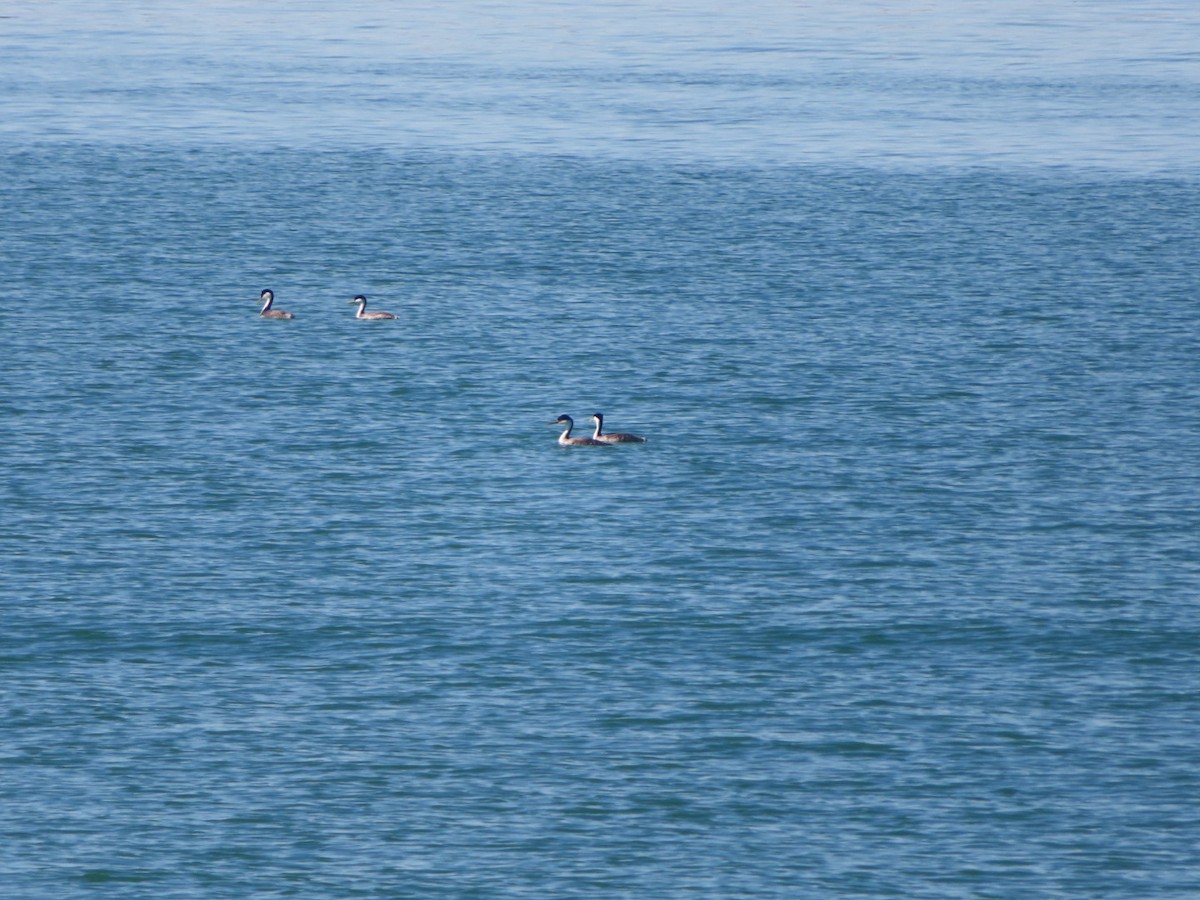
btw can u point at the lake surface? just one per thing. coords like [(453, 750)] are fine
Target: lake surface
[(898, 600)]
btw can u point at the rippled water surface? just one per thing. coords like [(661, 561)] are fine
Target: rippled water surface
[(949, 82), (898, 600)]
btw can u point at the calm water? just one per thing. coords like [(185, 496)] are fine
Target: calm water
[(899, 600)]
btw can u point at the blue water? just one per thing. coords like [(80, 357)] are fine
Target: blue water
[(899, 600)]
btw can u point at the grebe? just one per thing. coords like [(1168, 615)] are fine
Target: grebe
[(363, 314), (567, 441), (266, 298), (618, 437)]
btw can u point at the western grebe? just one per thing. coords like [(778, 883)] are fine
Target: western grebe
[(567, 441), (617, 437), (363, 314), (266, 298)]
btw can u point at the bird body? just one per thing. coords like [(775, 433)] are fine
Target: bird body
[(617, 437), (267, 298), (565, 438), (362, 310)]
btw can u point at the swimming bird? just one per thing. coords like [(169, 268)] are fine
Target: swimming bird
[(266, 298), (567, 441), (617, 437), (363, 314)]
